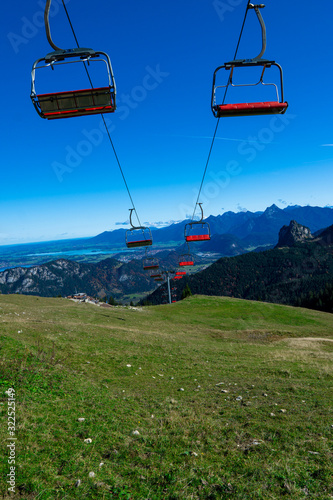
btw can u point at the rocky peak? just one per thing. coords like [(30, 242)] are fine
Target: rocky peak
[(293, 234), (272, 211)]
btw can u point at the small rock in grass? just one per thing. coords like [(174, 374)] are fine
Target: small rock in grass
[(101, 464), (88, 440), (265, 395), (81, 419), (136, 433), (272, 414), (78, 482), (128, 366), (239, 398), (181, 389), (151, 416), (283, 411), (224, 390), (220, 383), (193, 453), (92, 474)]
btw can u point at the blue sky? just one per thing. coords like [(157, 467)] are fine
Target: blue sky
[(163, 56)]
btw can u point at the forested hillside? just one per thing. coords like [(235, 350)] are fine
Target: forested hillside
[(301, 275)]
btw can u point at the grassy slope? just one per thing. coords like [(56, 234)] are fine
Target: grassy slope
[(69, 361)]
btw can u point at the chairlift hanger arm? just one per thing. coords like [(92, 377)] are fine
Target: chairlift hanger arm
[(262, 24), (200, 205), (130, 220), (47, 25)]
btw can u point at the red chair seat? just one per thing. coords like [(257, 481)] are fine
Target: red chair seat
[(198, 237), (76, 103), (140, 243), (252, 108)]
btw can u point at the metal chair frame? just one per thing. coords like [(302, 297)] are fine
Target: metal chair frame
[(74, 102)]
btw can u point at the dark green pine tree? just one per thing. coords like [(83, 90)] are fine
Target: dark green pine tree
[(186, 292)]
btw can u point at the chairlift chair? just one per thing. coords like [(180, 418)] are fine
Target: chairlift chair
[(138, 236), (186, 259), (197, 230), (277, 106), (72, 103), (150, 263)]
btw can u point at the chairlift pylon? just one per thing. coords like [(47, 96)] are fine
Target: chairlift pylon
[(277, 106), (72, 103)]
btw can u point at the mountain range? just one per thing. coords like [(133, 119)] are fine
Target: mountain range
[(249, 229)]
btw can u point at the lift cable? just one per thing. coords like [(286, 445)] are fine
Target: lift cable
[(105, 124), (218, 121)]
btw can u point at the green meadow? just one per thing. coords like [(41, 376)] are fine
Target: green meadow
[(208, 398)]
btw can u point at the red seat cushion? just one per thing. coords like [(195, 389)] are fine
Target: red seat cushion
[(198, 237), (140, 243), (252, 108)]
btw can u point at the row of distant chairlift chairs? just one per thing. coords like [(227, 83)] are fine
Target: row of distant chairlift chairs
[(100, 100)]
